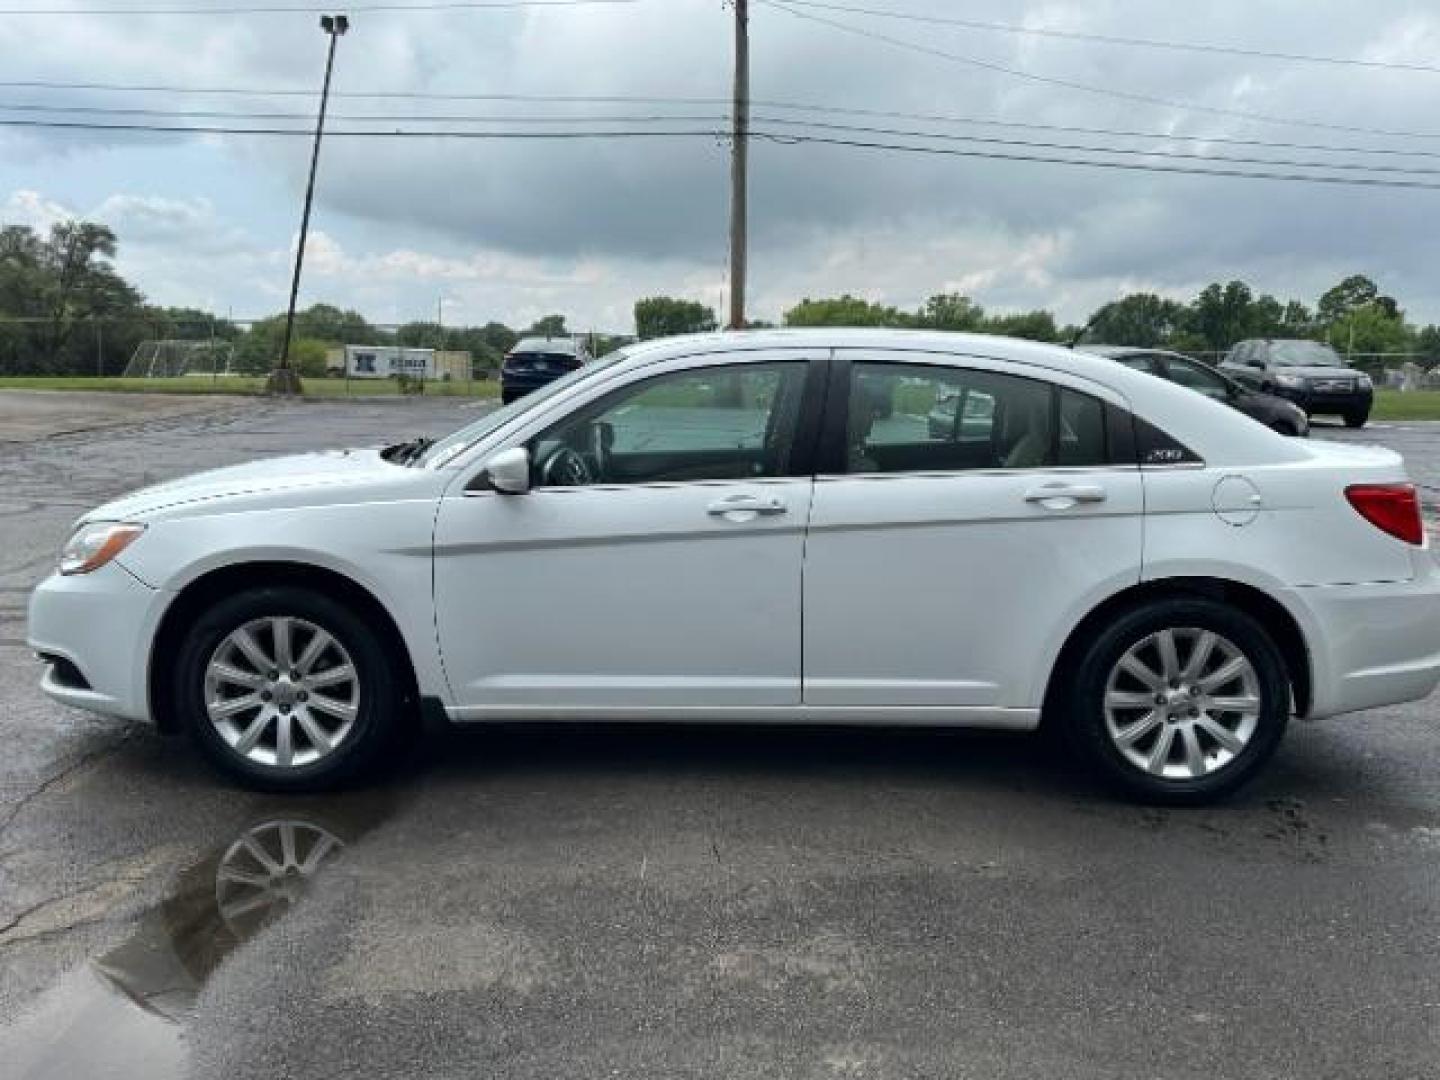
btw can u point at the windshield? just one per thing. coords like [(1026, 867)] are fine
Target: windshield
[(442, 450), (1305, 354)]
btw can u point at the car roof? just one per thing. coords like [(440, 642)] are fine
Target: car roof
[(1219, 433), (1116, 352)]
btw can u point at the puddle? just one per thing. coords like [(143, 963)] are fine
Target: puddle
[(123, 1014)]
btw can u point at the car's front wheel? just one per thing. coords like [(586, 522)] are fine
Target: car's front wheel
[(1179, 701), (1356, 418), (287, 689)]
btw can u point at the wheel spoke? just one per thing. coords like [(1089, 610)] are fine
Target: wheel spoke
[(313, 731), (1129, 736), (1221, 734), (287, 845), (246, 643), (1128, 699), (280, 629), (260, 855), (1194, 755), (341, 709), (233, 675), (251, 734), (1242, 703), (243, 877), (226, 708), (284, 740), (342, 673), (1169, 657), (1199, 655), (249, 904), (317, 644), (319, 853), (1160, 752), (1136, 667), (1225, 674)]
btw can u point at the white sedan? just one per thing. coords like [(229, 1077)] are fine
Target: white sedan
[(770, 527)]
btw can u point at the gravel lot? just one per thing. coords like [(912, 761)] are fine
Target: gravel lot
[(678, 902)]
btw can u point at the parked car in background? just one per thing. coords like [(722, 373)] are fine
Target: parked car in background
[(535, 361), (1158, 577), (1274, 412), (1309, 373)]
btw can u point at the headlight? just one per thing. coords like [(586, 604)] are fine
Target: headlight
[(96, 544), (1290, 382), (1363, 381)]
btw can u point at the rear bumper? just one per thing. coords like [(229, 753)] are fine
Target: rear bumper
[(102, 624), (1373, 645), (524, 382)]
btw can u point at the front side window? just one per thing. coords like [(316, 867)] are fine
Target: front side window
[(732, 422), (921, 418)]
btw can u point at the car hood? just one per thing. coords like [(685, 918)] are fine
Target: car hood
[(1321, 371), (300, 478)]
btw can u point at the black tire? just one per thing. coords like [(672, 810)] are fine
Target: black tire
[(1357, 418), (1087, 730), (507, 396), (1282, 428), (378, 718)]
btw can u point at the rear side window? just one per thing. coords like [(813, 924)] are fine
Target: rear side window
[(924, 418)]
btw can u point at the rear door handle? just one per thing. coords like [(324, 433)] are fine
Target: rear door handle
[(746, 504), (1062, 496)]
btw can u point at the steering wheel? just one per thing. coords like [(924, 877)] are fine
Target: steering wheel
[(566, 468)]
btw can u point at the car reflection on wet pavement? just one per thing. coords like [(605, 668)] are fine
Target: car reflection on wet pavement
[(122, 1014)]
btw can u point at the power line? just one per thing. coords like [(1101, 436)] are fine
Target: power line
[(1068, 84), (775, 121), (639, 99), (1123, 166), (1115, 39), (780, 138), (441, 5)]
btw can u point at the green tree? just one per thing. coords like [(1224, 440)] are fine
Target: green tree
[(1427, 344), (1356, 291), (1371, 328), (845, 310), (1140, 319), (549, 326), (1033, 325), (666, 316), (951, 311)]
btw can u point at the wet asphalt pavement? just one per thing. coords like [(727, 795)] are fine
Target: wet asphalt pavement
[(678, 902)]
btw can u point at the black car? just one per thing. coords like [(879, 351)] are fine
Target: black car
[(1311, 374), (1274, 412), (535, 361)]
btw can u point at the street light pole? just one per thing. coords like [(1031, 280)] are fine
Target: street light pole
[(283, 379)]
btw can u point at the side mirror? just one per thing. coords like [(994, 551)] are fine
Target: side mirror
[(508, 472)]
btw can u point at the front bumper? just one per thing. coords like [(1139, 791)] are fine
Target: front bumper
[(1329, 404), (1373, 645), (101, 624)]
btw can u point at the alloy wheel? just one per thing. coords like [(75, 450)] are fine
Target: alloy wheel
[(1182, 703), (282, 692)]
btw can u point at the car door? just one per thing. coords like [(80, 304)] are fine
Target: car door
[(655, 563), (946, 564)]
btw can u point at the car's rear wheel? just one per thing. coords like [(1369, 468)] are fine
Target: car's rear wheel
[(1284, 427), (1179, 701), (1356, 418), (287, 689)]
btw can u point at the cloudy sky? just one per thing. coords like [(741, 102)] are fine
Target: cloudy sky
[(513, 229)]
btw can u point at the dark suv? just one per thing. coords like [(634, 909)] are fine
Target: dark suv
[(1309, 373), (535, 361)]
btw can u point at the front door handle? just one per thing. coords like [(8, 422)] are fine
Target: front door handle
[(748, 505), (1062, 496)]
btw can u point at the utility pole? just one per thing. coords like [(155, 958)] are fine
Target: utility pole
[(283, 379), (739, 163)]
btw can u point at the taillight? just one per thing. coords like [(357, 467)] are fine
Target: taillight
[(1392, 508)]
